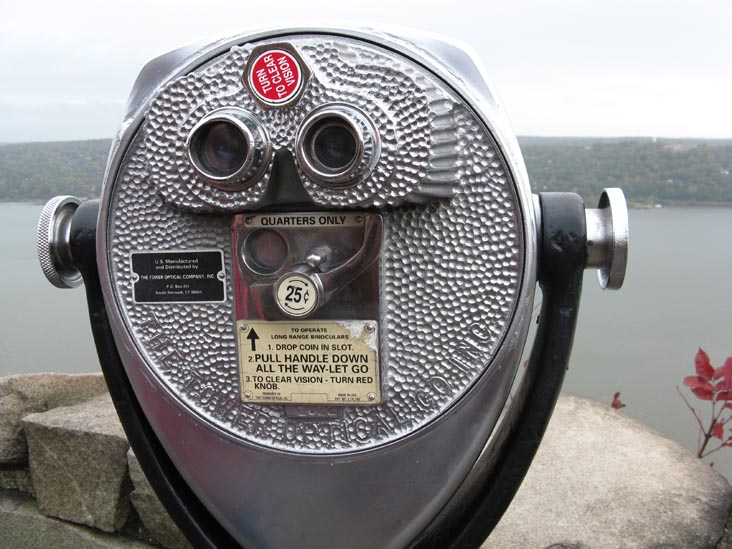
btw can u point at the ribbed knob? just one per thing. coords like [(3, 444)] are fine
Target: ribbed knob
[(53, 235)]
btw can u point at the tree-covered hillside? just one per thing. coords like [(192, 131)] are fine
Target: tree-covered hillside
[(39, 171), (660, 172), (649, 171)]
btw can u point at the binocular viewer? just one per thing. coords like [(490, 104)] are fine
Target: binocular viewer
[(311, 278)]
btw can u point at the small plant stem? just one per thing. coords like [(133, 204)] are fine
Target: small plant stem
[(707, 438), (696, 416), (713, 450)]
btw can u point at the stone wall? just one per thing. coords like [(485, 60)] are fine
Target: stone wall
[(69, 479)]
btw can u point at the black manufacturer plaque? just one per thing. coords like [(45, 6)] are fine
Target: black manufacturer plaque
[(178, 276)]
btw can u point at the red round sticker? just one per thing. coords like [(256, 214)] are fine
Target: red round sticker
[(275, 76)]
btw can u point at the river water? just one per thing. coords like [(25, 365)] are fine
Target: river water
[(640, 341)]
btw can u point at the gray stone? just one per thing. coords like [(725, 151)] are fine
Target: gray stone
[(151, 511), (726, 541), (21, 395), (601, 479), (78, 463), (22, 525), (16, 479)]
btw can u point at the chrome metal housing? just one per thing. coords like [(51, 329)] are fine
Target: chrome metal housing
[(408, 472)]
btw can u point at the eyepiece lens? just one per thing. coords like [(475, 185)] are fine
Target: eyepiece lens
[(334, 145), (337, 145), (221, 148)]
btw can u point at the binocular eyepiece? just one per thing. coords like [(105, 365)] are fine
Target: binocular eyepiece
[(337, 145), (230, 148)]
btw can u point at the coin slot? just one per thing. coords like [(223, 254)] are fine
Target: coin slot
[(265, 251)]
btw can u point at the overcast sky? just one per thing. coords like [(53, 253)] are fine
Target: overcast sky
[(581, 67)]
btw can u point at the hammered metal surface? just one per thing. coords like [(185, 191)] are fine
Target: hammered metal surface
[(399, 101), (451, 267)]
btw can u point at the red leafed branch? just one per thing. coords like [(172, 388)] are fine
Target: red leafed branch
[(713, 385)]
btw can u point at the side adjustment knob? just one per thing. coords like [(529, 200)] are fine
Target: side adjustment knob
[(607, 238), (53, 240)]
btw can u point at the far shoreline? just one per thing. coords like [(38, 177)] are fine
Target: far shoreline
[(666, 172)]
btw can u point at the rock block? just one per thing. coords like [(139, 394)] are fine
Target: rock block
[(23, 525), (16, 479), (151, 511), (21, 395), (78, 463), (601, 479)]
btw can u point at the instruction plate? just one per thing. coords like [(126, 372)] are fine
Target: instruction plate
[(309, 362)]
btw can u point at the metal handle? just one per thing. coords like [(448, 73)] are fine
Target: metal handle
[(318, 287), (341, 276)]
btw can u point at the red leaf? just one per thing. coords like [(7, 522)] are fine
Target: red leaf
[(724, 395), (703, 368), (616, 404), (718, 372), (703, 394), (696, 382), (724, 372), (700, 387), (718, 431)]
